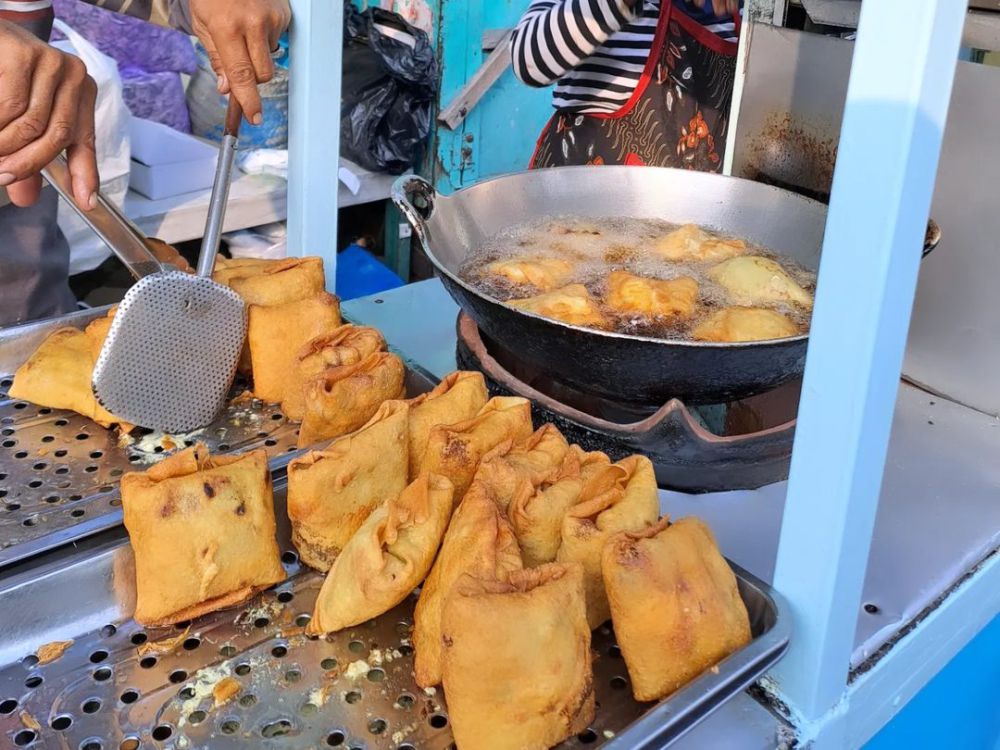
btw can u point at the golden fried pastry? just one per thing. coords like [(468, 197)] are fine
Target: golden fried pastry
[(331, 492), (571, 304), (276, 335), (203, 533), (542, 273), (744, 324), (674, 603), (387, 558), (537, 513), (538, 459), (455, 450), (620, 497), (345, 345), (271, 282), (58, 376), (756, 281), (691, 243), (479, 541), (516, 664), (457, 398), (97, 332), (342, 399), (651, 298)]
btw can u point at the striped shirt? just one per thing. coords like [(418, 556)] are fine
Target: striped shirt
[(594, 50), (36, 15)]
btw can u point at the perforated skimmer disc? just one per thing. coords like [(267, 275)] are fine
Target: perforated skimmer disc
[(171, 353)]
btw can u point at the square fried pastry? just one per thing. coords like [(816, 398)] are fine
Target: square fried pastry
[(755, 281), (542, 273), (479, 541), (620, 497), (516, 663), (386, 558), (332, 492), (537, 459), (457, 398), (342, 399), (202, 531), (266, 282), (276, 335), (675, 605), (455, 450), (690, 243), (651, 298), (736, 324), (345, 345), (571, 304), (58, 374)]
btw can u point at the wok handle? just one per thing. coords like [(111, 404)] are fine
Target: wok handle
[(415, 197), (932, 238)]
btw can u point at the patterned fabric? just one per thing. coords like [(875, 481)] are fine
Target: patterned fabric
[(677, 117), (36, 15)]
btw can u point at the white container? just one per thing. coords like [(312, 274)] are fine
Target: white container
[(166, 162)]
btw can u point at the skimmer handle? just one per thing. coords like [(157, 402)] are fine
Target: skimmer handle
[(220, 188), (117, 232)]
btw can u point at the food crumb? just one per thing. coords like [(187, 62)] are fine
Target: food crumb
[(714, 669), (608, 734), (375, 657), (30, 721), (430, 691), (357, 669), (401, 735), (319, 696), (164, 646), (52, 651), (225, 690)]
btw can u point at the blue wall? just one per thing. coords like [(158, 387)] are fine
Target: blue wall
[(959, 708)]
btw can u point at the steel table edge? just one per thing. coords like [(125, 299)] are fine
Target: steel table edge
[(677, 715)]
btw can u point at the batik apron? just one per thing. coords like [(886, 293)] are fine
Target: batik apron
[(677, 116)]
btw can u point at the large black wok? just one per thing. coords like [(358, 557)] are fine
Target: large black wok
[(635, 368)]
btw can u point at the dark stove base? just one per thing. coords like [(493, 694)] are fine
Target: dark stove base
[(754, 450)]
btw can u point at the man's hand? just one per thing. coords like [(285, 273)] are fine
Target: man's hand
[(46, 105), (721, 7), (239, 36)]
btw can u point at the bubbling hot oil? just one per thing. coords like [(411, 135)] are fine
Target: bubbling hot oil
[(598, 246)]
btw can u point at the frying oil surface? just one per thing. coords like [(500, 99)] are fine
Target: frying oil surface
[(591, 249)]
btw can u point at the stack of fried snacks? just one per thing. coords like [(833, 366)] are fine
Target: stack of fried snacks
[(674, 603), (271, 282), (457, 398), (538, 460), (203, 533), (387, 558), (333, 491), (516, 665)]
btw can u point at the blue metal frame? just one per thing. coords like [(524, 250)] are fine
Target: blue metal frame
[(316, 53), (900, 87)]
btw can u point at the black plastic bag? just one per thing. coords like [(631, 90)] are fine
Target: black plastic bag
[(389, 88)]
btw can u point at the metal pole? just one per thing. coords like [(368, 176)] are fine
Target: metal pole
[(316, 49), (897, 101)]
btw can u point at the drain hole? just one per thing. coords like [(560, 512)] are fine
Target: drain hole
[(353, 697), (162, 732), (403, 629), (230, 726), (8, 706), (21, 454), (248, 700), (24, 737), (61, 723), (285, 596), (293, 675), (91, 706), (377, 726), (29, 522), (335, 739), (196, 717), (29, 661), (77, 512), (270, 442), (405, 746), (8, 443), (186, 694), (619, 683), (13, 506), (439, 721), (130, 696), (277, 416), (129, 743), (48, 438), (242, 669), (108, 630), (61, 453), (303, 620), (61, 422), (91, 469), (223, 447), (328, 664), (138, 639), (261, 622), (405, 701), (587, 737), (117, 472), (356, 647), (62, 470), (98, 656), (376, 675), (147, 662), (228, 650), (289, 558), (103, 674), (74, 498), (52, 498), (872, 609), (615, 652), (82, 436), (20, 405), (96, 454), (405, 649), (190, 644), (308, 709), (34, 681), (178, 675), (278, 728), (39, 466), (279, 651), (35, 484)]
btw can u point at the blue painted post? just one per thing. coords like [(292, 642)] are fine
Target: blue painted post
[(316, 49), (897, 101)]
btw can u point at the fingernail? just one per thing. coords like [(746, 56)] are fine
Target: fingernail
[(92, 200), (6, 179), (258, 119)]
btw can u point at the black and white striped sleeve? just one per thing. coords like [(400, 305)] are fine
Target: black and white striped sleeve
[(554, 36)]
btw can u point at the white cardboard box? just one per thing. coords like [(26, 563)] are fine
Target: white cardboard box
[(166, 162)]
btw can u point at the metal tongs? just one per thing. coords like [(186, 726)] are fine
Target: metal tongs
[(171, 353)]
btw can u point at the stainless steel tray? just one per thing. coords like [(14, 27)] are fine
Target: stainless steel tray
[(353, 689), (59, 471)]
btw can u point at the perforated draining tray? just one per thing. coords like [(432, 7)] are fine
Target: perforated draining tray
[(59, 471), (111, 690)]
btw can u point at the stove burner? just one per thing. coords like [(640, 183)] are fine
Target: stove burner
[(742, 445)]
